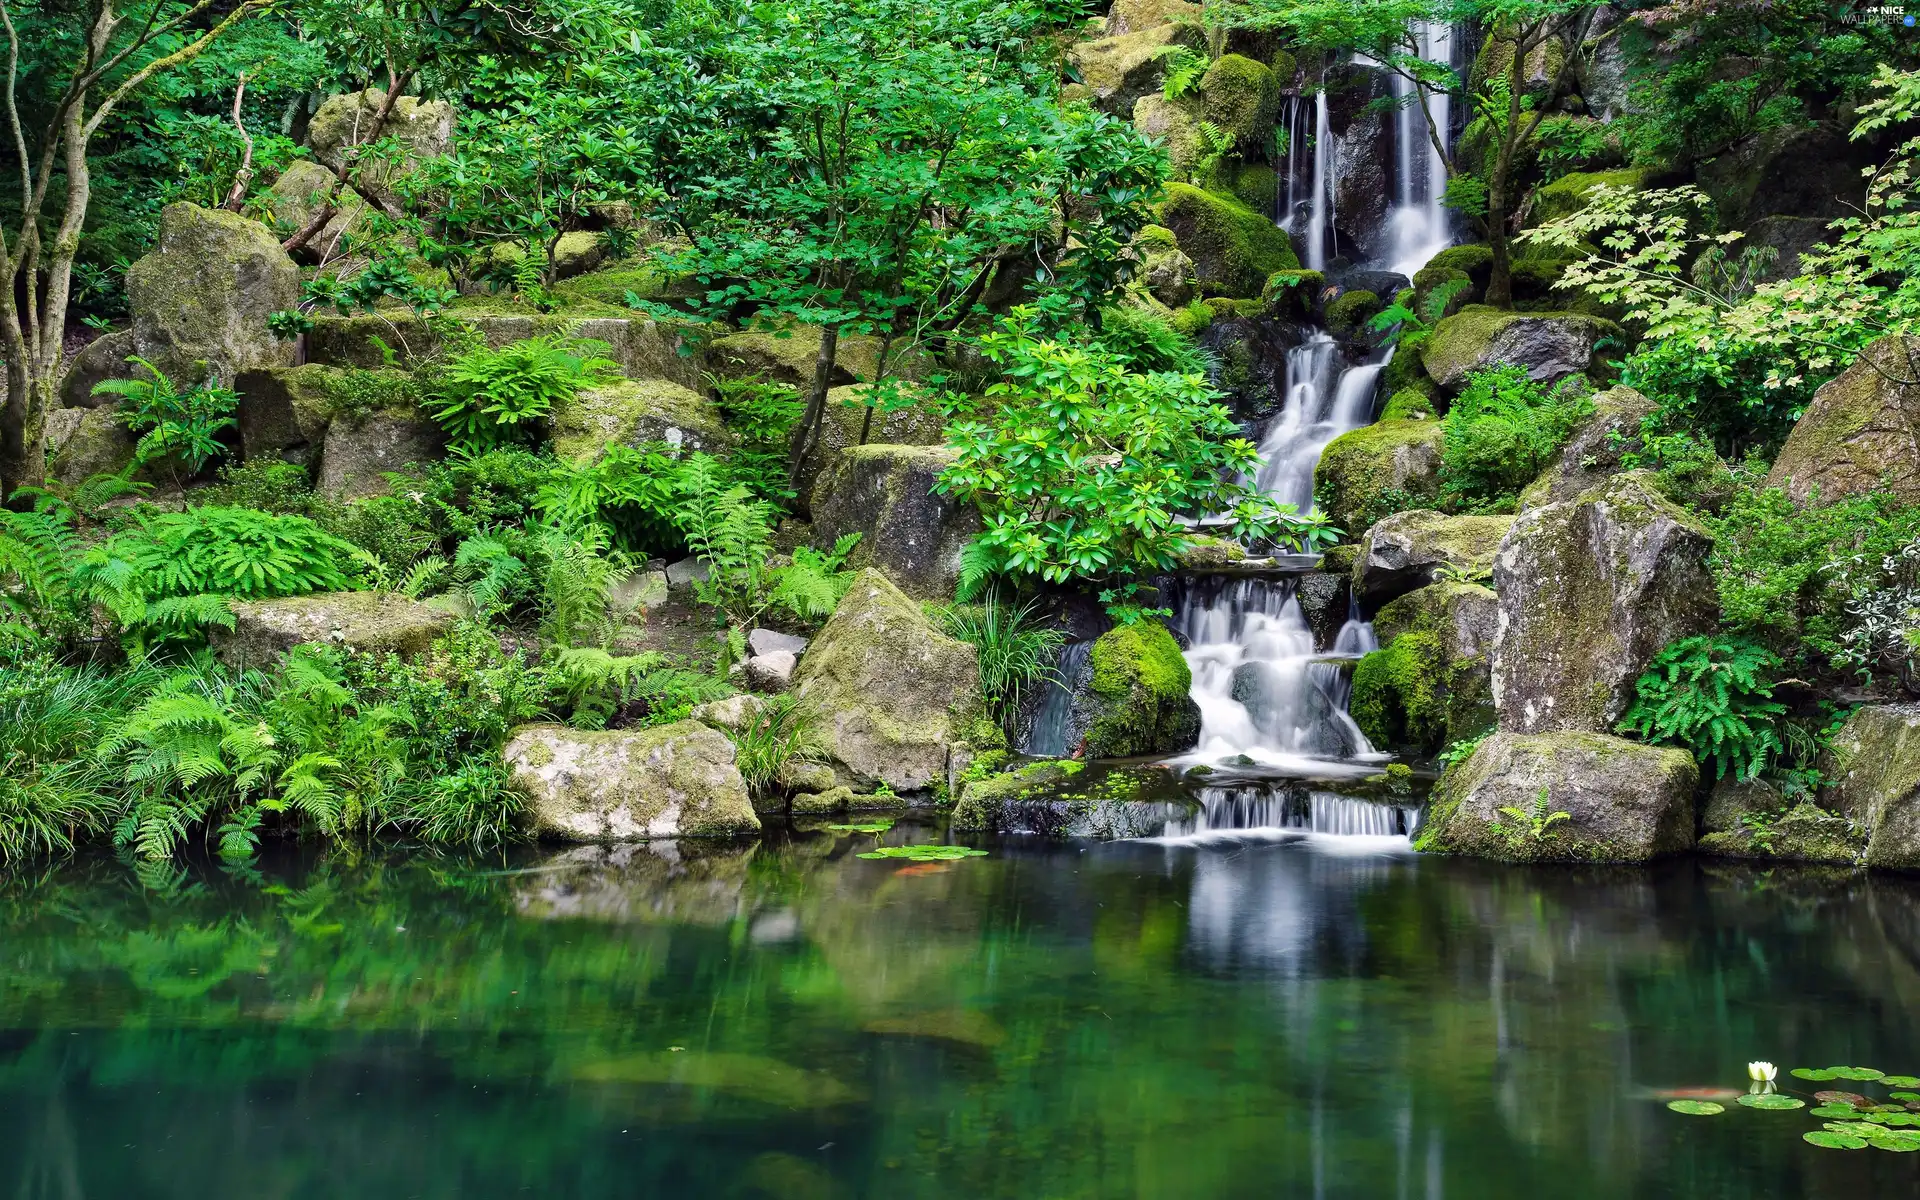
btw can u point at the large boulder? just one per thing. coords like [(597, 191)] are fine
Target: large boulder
[(1234, 249), (1131, 16), (1242, 98), (1625, 801), (284, 411), (104, 358), (84, 442), (648, 349), (1590, 590), (1408, 550), (891, 690), (1593, 453), (885, 494), (1858, 435), (1137, 698), (362, 449), (841, 424), (296, 197), (1164, 271), (1175, 126), (788, 356), (1431, 682), (1392, 463), (423, 128), (369, 622), (632, 411), (1875, 781), (201, 297), (1117, 71), (1551, 346), (1572, 192), (622, 785)]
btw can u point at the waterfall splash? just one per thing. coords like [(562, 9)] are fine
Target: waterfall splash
[(1052, 726), (1291, 808), (1418, 224)]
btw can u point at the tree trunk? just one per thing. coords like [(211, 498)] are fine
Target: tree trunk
[(23, 423), (880, 376), (1499, 188), (808, 431)]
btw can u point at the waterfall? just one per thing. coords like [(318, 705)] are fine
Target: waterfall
[(1313, 414), (1418, 223), (1279, 806), (1320, 216), (1053, 720)]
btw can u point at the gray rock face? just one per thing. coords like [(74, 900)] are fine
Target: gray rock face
[(371, 622), (201, 297), (891, 689), (633, 411), (1592, 454), (1407, 551), (84, 442), (1323, 597), (359, 454), (1551, 346), (885, 494), (688, 571), (1876, 781), (1732, 799), (1858, 435), (1590, 590), (675, 780), (1625, 802), (424, 128), (771, 641), (771, 672), (840, 429), (101, 359), (284, 411)]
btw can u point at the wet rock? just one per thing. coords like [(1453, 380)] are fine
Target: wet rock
[(1324, 601), (1590, 590), (1551, 346), (669, 781), (630, 412), (892, 691), (983, 802), (1399, 460), (1805, 833), (829, 800), (1733, 798), (360, 452), (1858, 434), (1593, 453), (201, 296), (1626, 802), (1875, 781), (367, 622), (885, 494), (1234, 249), (1137, 697), (1431, 682), (1119, 70), (1164, 271), (1411, 549)]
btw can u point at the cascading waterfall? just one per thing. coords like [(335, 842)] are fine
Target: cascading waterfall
[(1320, 215), (1052, 723), (1418, 224), (1317, 410)]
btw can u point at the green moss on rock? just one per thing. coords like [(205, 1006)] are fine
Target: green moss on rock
[(1399, 460), (632, 411), (676, 780), (1234, 249), (1138, 694), (1568, 194), (1242, 97), (1857, 435), (1408, 404), (1551, 346), (983, 801), (1252, 184), (1430, 684), (1349, 312)]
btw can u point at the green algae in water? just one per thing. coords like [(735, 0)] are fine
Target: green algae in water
[(925, 853)]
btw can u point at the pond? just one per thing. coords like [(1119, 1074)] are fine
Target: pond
[(1213, 1015)]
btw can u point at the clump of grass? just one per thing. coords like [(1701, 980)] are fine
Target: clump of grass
[(785, 730)]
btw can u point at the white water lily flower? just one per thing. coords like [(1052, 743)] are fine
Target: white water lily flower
[(1762, 1072)]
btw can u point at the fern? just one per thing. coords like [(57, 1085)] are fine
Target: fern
[(1215, 144), (182, 427), (501, 397), (1714, 696), (783, 731), (1181, 70), (598, 685)]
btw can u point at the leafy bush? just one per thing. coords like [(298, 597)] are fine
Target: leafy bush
[(635, 492), (176, 427), (1501, 432), (1149, 341), (762, 414), (210, 550), (636, 689), (265, 484), (41, 595), (1016, 652), (488, 398), (473, 806), (1714, 696), (50, 717)]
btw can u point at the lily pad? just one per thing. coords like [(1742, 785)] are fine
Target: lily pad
[(880, 826), (1833, 1097), (1834, 1110), (1772, 1100), (1696, 1108), (1857, 1074), (1814, 1074), (1834, 1141), (1904, 1097), (925, 853), (1901, 1081)]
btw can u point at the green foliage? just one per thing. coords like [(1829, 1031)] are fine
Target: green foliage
[(1501, 432), (1180, 70), (637, 689), (731, 529), (490, 398), (51, 797), (924, 854), (1150, 342), (209, 550), (1083, 468), (1016, 651), (1532, 825), (783, 730), (1713, 696), (41, 594), (1407, 327), (182, 428), (762, 414)]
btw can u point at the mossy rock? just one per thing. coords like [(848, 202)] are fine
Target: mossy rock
[(1406, 370), (1162, 271), (1417, 547), (1474, 258), (1234, 249), (668, 781), (1431, 682), (1568, 194), (1398, 460), (1204, 553), (365, 622), (284, 412), (1873, 769), (1138, 694), (202, 295), (1193, 319), (788, 356), (632, 411), (84, 442), (1119, 70), (1174, 125), (611, 284), (983, 801), (1131, 16), (1253, 184), (1242, 97), (1409, 404), (1348, 313), (1594, 453), (1551, 346), (886, 494), (1857, 435), (1291, 295)]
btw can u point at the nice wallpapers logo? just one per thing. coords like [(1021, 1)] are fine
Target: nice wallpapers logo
[(1882, 14)]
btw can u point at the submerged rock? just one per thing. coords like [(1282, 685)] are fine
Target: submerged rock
[(675, 780), (1551, 346), (1410, 550), (201, 296), (1431, 682), (912, 533), (1397, 460), (1590, 590), (892, 691), (1858, 434), (1876, 781), (1137, 697), (368, 622), (1593, 453), (1625, 802)]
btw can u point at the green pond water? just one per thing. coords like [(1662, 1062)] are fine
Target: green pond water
[(1236, 1015)]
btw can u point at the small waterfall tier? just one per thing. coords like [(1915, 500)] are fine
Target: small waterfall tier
[(1418, 223), (1289, 808)]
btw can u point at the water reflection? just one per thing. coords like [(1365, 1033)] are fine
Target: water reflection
[(1264, 1018)]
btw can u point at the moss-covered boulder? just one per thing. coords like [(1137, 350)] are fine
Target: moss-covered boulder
[(201, 296), (1625, 802), (631, 411), (1551, 346), (1234, 249), (1409, 404), (648, 349), (284, 411), (1136, 699), (1254, 184), (1750, 818), (892, 690), (104, 358), (1131, 16), (1163, 271), (1348, 313), (1119, 70), (1594, 451), (1569, 193), (1395, 460), (1431, 682), (84, 442), (363, 449), (367, 622), (917, 424), (1242, 97), (1874, 777), (1858, 434), (885, 494), (1174, 125), (982, 802), (423, 128), (625, 785), (1410, 550), (1590, 590), (788, 356)]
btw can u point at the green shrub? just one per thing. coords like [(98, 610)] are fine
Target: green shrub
[(1714, 696), (762, 414), (210, 550), (1150, 342), (487, 398), (1501, 432), (1016, 652), (784, 730), (265, 484), (174, 427)]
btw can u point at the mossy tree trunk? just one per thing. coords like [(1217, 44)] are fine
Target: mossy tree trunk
[(1512, 135)]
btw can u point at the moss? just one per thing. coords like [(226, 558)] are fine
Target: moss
[(1234, 249), (1430, 685), (1466, 340), (1284, 67), (1242, 97), (1194, 319), (1204, 552), (610, 286), (1139, 688), (1805, 833), (1396, 699), (1155, 238), (632, 411), (1119, 70), (1291, 294), (1855, 436), (1402, 457), (1175, 126), (1349, 312), (1408, 404), (1252, 184), (1474, 260), (982, 801), (1406, 370), (1568, 194)]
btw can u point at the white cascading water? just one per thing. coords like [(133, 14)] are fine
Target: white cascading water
[(1320, 215), (1418, 224), (1319, 407)]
